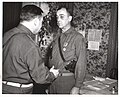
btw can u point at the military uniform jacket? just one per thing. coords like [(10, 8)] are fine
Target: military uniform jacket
[(73, 47), (22, 61)]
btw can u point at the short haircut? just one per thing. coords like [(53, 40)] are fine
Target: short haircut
[(29, 12), (67, 9)]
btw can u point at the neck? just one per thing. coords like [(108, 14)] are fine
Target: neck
[(27, 24), (64, 29)]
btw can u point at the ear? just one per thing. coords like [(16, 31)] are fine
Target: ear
[(70, 18), (36, 21)]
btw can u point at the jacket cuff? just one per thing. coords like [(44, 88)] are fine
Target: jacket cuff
[(50, 77), (78, 84)]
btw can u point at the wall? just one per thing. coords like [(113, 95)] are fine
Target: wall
[(11, 13), (95, 16)]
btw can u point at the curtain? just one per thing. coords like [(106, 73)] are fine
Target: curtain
[(11, 12), (112, 60)]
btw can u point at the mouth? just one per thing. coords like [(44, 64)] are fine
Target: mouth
[(58, 24)]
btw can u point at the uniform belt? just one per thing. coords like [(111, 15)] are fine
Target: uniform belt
[(67, 74), (17, 84)]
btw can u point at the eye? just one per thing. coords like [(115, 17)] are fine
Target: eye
[(62, 17)]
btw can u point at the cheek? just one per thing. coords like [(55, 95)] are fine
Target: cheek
[(65, 22), (40, 25)]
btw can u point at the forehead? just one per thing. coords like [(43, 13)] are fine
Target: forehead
[(62, 11)]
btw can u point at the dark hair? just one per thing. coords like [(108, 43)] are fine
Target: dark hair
[(67, 9), (29, 12)]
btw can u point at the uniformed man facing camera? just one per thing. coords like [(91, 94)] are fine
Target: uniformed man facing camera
[(68, 55)]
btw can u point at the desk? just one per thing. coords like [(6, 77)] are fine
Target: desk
[(97, 87)]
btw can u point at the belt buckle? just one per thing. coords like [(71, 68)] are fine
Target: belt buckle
[(4, 82)]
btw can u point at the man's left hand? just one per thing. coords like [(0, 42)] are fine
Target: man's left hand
[(75, 90)]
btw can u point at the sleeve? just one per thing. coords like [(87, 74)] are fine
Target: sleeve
[(80, 69), (37, 70)]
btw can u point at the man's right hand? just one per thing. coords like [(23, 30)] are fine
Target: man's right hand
[(54, 71)]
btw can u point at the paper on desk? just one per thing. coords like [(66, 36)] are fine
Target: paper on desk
[(94, 85), (98, 86), (108, 81), (99, 78), (87, 92), (90, 82)]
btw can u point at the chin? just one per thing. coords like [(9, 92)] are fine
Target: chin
[(60, 27)]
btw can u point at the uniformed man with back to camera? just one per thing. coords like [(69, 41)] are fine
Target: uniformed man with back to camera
[(22, 61)]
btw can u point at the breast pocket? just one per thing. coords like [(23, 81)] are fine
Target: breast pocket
[(69, 54)]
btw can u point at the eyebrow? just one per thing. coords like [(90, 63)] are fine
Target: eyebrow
[(60, 14)]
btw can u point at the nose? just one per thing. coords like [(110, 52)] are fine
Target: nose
[(58, 19)]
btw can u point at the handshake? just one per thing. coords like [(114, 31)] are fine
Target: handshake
[(70, 65), (54, 71)]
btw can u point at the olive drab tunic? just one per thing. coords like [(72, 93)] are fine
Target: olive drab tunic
[(73, 47), (22, 60)]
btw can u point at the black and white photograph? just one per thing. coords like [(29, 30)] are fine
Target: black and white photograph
[(59, 48)]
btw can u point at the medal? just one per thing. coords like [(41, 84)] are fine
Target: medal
[(65, 44), (64, 49)]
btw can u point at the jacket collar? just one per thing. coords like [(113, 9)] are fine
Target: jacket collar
[(14, 31), (69, 31), (26, 30)]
